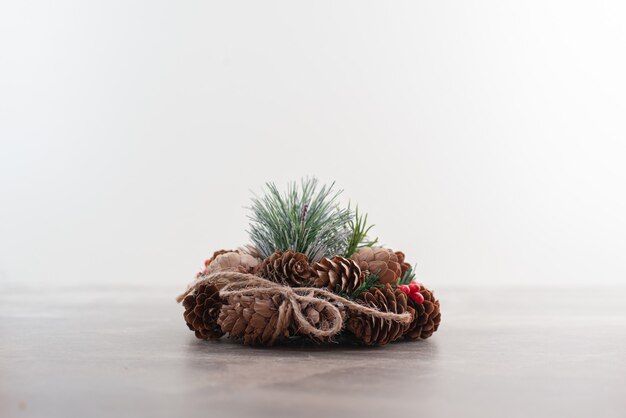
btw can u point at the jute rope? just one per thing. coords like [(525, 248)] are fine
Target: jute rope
[(232, 283)]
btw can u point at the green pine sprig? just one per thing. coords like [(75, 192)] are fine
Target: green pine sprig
[(306, 218), (358, 235), (371, 280), (407, 277)]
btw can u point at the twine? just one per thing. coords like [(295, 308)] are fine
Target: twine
[(232, 283)]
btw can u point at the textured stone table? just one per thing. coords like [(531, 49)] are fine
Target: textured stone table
[(125, 352)]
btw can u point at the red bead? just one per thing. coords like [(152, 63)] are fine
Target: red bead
[(417, 298), (414, 286), (405, 289)]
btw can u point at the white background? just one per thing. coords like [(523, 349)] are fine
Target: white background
[(484, 138)]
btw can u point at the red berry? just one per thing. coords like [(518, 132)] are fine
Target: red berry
[(405, 289), (414, 286), (417, 298)]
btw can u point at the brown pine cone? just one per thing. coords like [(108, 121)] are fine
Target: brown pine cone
[(380, 261), (227, 260), (289, 268), (338, 274), (318, 315), (404, 266), (427, 316), (370, 330), (255, 318), (202, 308), (215, 255)]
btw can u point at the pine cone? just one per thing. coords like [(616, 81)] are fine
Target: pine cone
[(404, 266), (225, 260), (256, 318), (215, 255), (202, 308), (289, 268), (427, 316), (380, 261), (370, 330), (318, 315), (338, 274)]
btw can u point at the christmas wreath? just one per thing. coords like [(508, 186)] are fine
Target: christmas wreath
[(311, 272)]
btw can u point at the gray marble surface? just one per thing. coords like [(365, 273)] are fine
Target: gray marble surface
[(126, 352)]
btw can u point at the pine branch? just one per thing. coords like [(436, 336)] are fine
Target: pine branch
[(358, 236), (305, 219)]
